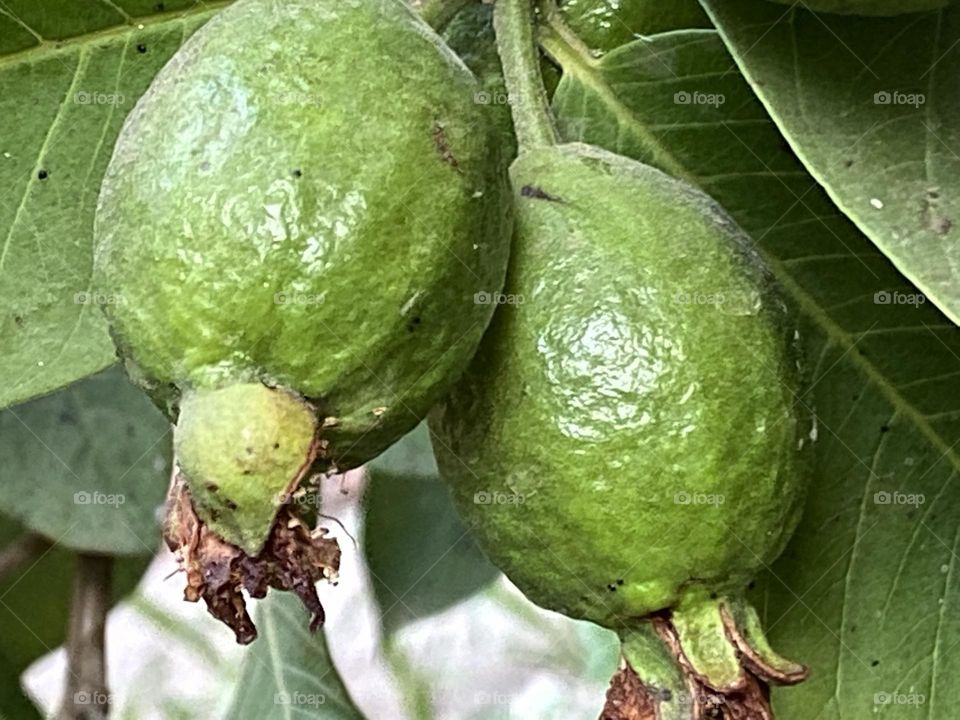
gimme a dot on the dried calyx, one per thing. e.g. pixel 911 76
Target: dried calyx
pixel 293 558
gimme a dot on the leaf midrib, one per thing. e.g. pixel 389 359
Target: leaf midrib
pixel 588 74
pixel 50 48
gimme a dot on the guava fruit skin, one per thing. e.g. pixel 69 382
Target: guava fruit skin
pixel 571 438
pixel 286 206
pixel 244 446
pixel 867 8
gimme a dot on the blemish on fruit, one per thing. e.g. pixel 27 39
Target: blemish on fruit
pixel 532 191
pixel 443 147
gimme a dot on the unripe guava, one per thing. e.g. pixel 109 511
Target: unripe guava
pixel 629 440
pixel 308 198
pixel 867 7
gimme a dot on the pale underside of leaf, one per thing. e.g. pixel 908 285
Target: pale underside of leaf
pixel 871 108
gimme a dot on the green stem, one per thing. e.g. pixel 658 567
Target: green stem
pixel 438 13
pixel 516 41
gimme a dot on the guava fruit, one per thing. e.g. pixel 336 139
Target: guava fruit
pixel 868 7
pixel 628 443
pixel 296 222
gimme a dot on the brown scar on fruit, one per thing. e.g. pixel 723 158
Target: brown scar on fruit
pixel 293 558
pixel 532 191
pixel 443 146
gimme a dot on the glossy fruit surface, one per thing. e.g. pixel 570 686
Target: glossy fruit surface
pixel 285 206
pixel 628 438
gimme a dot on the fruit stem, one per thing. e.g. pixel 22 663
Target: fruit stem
pixel 515 26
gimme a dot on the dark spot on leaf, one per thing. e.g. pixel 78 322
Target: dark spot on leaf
pixel 141 48
pixel 412 325
pixel 884 428
pixel 131 430
pixel 247 471
pixel 212 487
pixel 611 587
pixel 231 505
pixel 249 451
pixel 297 173
pixel 848 163
pixel 532 191
pixel 620 581
pixel 18 320
pixel 159 7
pixel 43 174
pixel 752 585
pixel 713 596
pixel 276 446
pixel 67 418
pixel 874 663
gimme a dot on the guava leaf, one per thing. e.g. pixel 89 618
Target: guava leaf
pixel 88 466
pixel 69 74
pixel 865 592
pixel 421 557
pixel 871 108
pixel 607 24
pixel 34 608
pixel 287 673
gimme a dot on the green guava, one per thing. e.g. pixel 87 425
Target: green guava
pixel 284 207
pixel 629 442
pixel 867 8
pixel 297 222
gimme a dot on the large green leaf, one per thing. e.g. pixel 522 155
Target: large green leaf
pixel 69 74
pixel 872 107
pixel 866 590
pixel 34 607
pixel 87 466
pixel 288 672
pixel 422 558
pixel 607 24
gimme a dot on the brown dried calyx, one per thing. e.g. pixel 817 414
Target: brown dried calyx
pixel 630 698
pixel 293 558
